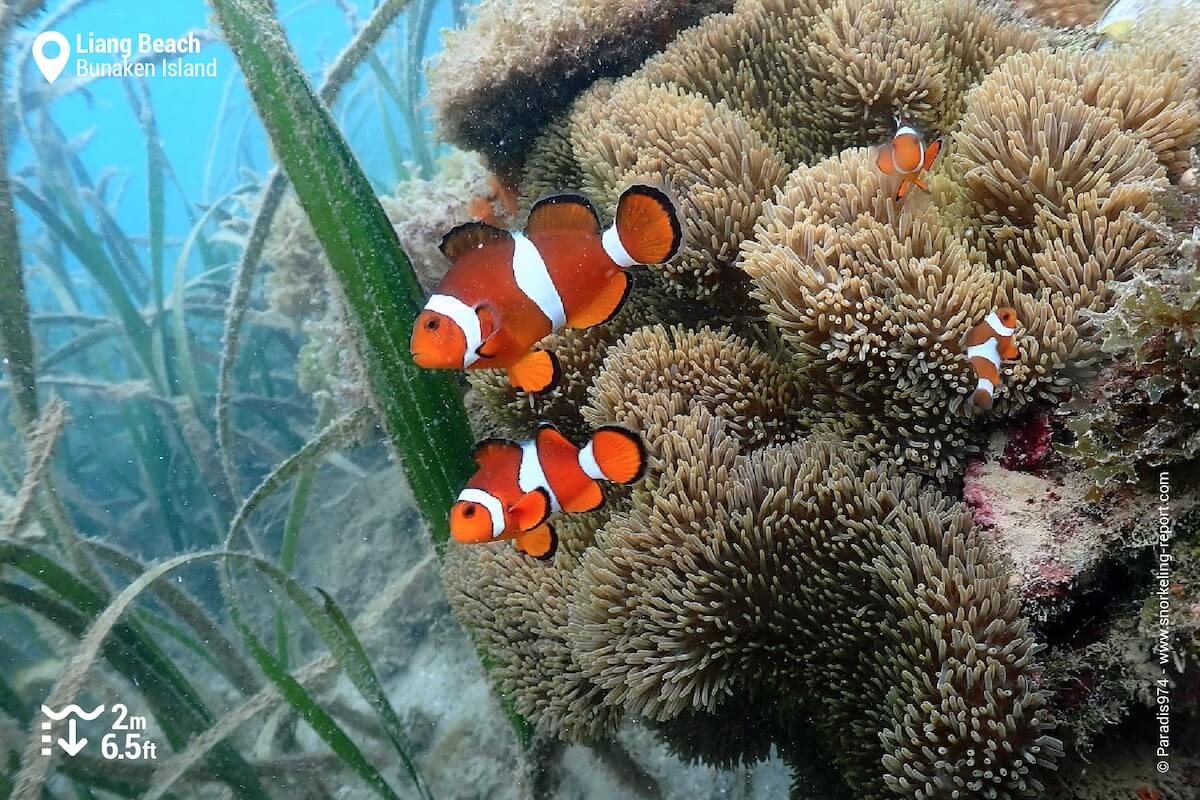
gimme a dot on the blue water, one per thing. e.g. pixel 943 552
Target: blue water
pixel 187 109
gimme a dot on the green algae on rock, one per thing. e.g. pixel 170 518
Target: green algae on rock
pixel 1140 414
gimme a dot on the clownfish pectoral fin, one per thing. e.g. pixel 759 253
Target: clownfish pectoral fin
pixel 931 154
pixel 883 160
pixel 491 343
pixel 920 182
pixel 489 450
pixel 606 304
pixel 563 213
pixel 904 187
pixel 647 225
pixel 619 453
pixel 531 510
pixel 470 236
pixel 541 542
pixel 1009 351
pixel 537 372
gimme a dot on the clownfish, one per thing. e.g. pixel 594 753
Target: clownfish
pixel 507 290
pixel 988 343
pixel 481 207
pixel 907 156
pixel 520 484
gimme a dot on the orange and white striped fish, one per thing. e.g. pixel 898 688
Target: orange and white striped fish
pixel 508 290
pixel 520 484
pixel 988 343
pixel 907 156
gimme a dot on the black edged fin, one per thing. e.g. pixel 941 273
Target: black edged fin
pixel 549 554
pixel 621 303
pixel 556 365
pixel 538 372
pixel 643 453
pixel 471 236
pixel 519 509
pixel 489 328
pixel 489 347
pixel 589 499
pixel 548 430
pixel 648 223
pixel 487 447
pixel 562 213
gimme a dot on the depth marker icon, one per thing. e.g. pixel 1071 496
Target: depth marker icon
pixel 72 745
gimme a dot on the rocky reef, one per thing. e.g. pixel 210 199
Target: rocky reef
pixel 826 551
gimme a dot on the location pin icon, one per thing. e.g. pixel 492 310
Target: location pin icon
pixel 51 66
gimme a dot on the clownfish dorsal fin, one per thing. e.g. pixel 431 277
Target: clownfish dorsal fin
pixel 531 510
pixel 563 213
pixel 547 434
pixel 470 236
pixel 489 450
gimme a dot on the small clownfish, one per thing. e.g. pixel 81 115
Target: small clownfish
pixel 520 484
pixel 907 156
pixel 987 344
pixel 481 207
pixel 507 290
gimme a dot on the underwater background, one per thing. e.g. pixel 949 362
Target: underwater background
pixel 225 558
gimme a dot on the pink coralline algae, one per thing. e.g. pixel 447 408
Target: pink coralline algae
pixel 975 495
pixel 1028 444
pixel 1043 518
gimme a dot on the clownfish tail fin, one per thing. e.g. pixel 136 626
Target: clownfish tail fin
pixel 982 398
pixel 647 228
pixel 614 454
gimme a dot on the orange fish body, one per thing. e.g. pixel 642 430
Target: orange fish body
pixel 507 290
pixel 988 344
pixel 520 484
pixel 908 157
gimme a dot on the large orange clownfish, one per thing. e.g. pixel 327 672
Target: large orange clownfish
pixel 988 343
pixel 508 290
pixel 908 157
pixel 520 484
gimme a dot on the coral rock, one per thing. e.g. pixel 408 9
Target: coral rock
pixel 1055 532
pixel 519 62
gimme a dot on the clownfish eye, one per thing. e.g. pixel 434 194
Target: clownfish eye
pixel 469 511
pixel 431 324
